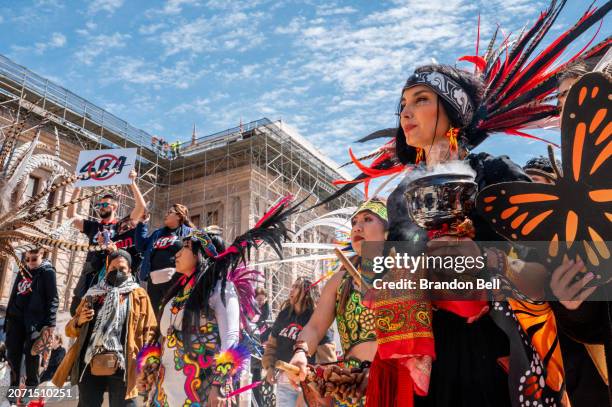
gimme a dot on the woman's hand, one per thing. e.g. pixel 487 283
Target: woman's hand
pixel 133 175
pixel 214 398
pixel 362 388
pixel 111 247
pixel 146 379
pixel 85 316
pixel 142 383
pixel 569 292
pixel 300 361
pixel 271 376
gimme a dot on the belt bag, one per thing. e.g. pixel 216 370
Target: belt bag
pixel 104 364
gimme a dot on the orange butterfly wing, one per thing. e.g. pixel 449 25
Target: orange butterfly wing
pixel 574 216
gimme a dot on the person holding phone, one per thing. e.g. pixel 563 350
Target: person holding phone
pixel 112 324
pixel 101 233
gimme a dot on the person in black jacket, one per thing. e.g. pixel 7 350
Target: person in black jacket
pixel 32 307
pixel 102 232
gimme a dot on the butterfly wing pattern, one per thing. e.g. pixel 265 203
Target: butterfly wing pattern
pixel 573 216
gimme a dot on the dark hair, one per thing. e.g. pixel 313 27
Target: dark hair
pixel 470 84
pixel 3 351
pixel 38 249
pixel 207 274
pixel 308 296
pixel 108 196
pixel 539 163
pixel 183 213
pixel 260 291
pixel 120 253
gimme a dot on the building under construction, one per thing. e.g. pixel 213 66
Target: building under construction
pixel 227 178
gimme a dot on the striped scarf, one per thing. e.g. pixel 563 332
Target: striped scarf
pixel 106 335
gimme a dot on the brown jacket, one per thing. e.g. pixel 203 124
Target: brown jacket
pixel 142 328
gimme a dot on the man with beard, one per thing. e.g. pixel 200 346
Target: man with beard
pixel 101 233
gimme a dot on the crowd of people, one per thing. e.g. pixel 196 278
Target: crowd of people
pixel 175 315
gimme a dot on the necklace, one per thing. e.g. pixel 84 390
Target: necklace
pixel 179 300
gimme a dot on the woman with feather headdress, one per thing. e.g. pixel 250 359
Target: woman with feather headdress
pixel 199 356
pixel 444 113
pixel 343 302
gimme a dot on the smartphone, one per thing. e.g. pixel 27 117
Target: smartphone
pixel 89 301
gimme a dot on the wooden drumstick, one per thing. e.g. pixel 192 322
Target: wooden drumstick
pixel 287 367
pixel 349 267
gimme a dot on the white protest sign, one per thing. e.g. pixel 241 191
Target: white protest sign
pixel 105 167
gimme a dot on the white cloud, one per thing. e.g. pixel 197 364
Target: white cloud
pixel 49 3
pixel 293 27
pixel 176 6
pixel 235 4
pixel 110 6
pixel 56 40
pixel 87 30
pixel 171 8
pixel 332 10
pixel 200 106
pixel 98 44
pixel 236 31
pixel 151 28
pixel 140 71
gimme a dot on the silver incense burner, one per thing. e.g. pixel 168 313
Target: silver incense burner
pixel 436 199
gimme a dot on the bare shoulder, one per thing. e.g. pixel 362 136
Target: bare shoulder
pixel 335 280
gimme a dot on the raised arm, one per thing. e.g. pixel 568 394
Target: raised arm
pixel 140 206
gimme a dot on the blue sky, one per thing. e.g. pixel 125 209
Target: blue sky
pixel 333 70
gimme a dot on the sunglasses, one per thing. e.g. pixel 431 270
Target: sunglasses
pixel 29 259
pixel 100 205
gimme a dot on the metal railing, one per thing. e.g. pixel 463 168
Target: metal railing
pixel 34 84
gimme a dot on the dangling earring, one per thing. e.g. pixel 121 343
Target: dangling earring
pixel 452 135
pixel 419 156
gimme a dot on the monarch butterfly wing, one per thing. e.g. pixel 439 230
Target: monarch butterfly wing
pixel 527 212
pixel 586 149
pixel 521 210
pixel 524 211
pixel 586 145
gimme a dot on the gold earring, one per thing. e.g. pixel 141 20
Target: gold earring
pixel 419 156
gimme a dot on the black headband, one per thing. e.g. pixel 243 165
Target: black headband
pixel 448 89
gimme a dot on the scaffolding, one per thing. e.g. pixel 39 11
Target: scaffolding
pixel 84 125
pixel 277 162
pixel 79 121
pixel 228 178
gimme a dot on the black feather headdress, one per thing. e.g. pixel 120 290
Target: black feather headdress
pixel 518 83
